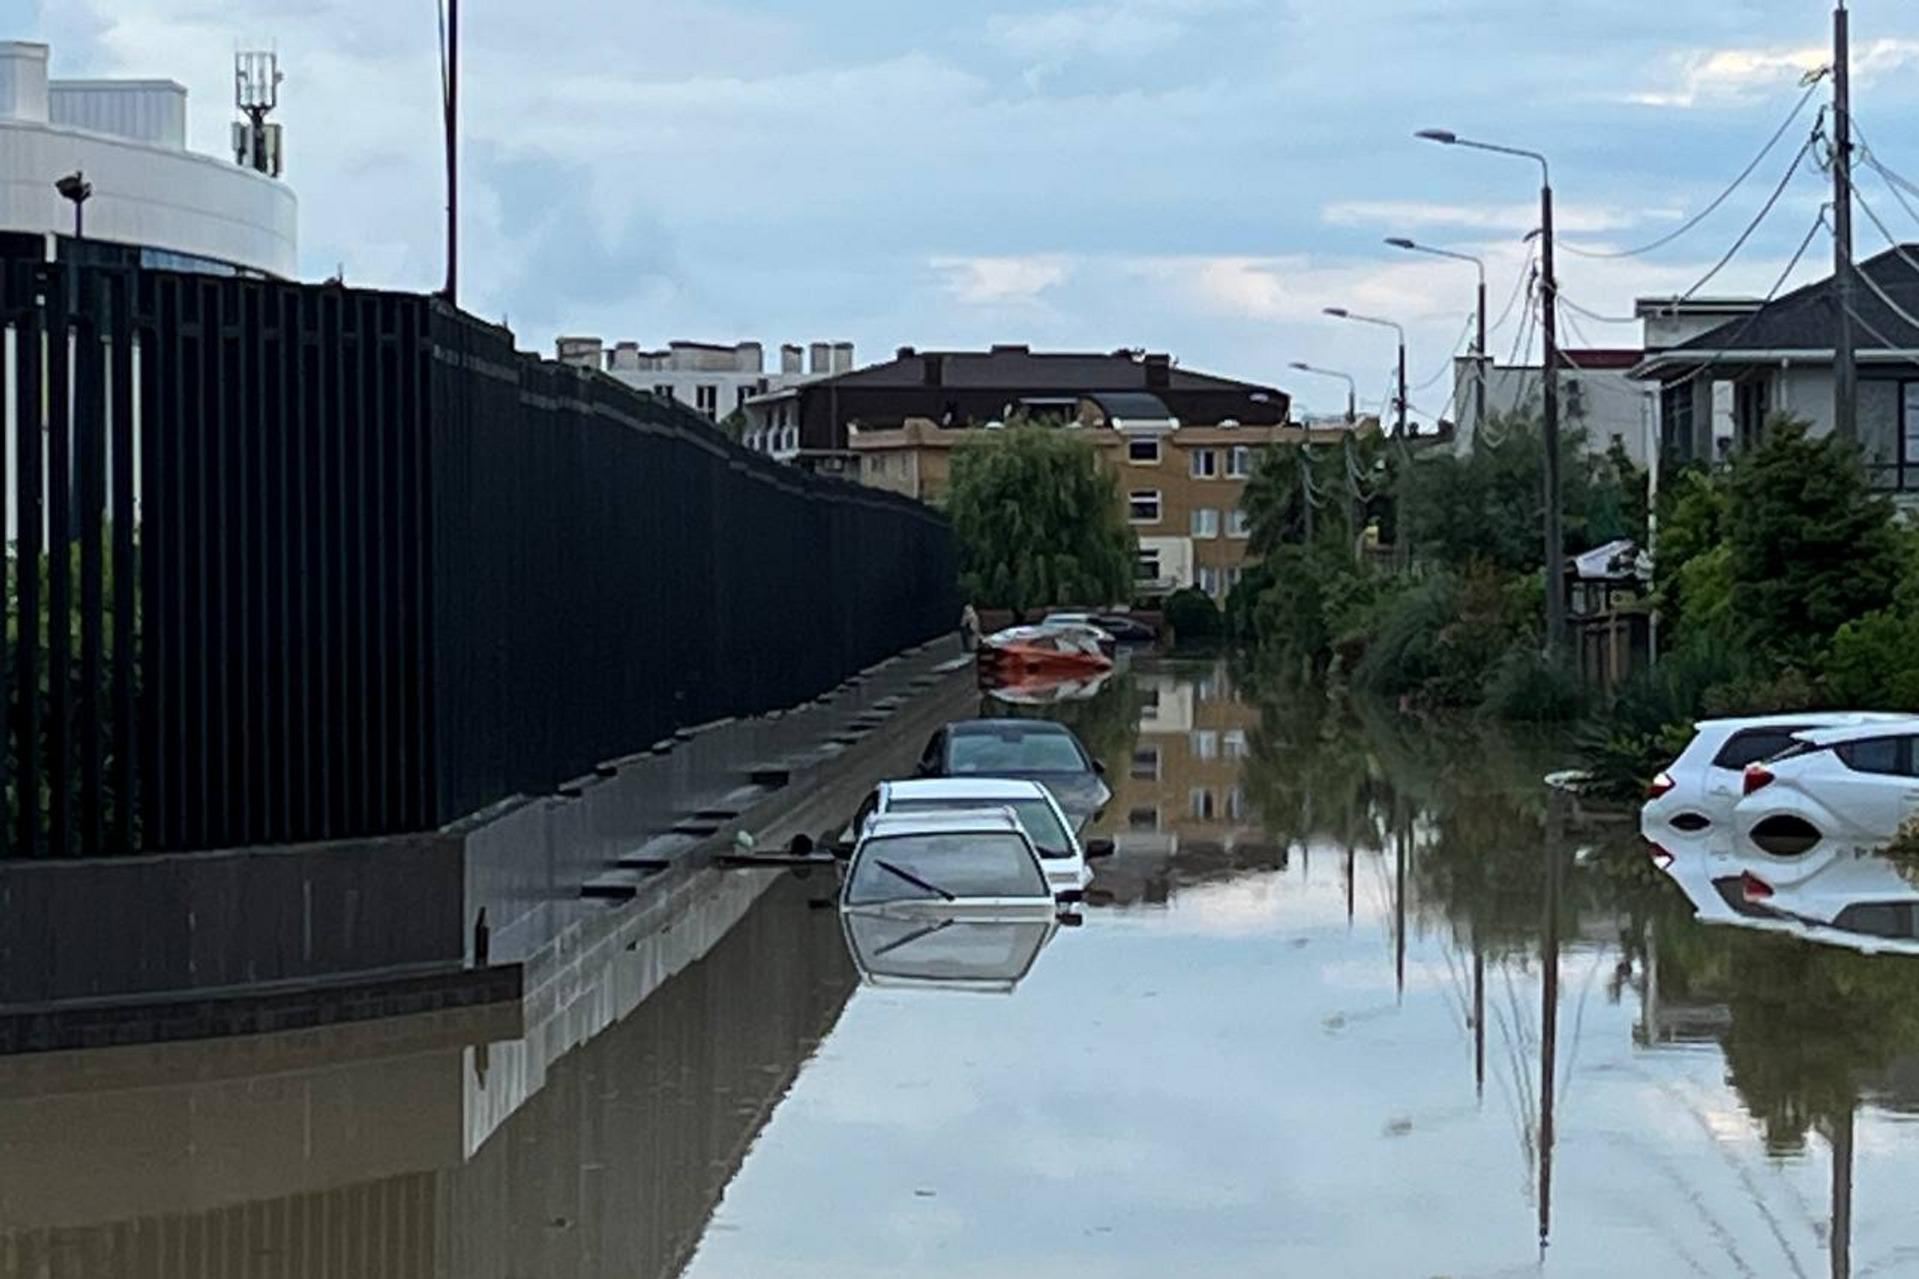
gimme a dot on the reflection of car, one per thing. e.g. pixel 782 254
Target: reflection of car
pixel 1689 806
pixel 1838 792
pixel 1036 749
pixel 1863 903
pixel 1038 812
pixel 1046 690
pixel 970 863
pixel 891 949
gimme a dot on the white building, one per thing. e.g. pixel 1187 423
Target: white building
pixel 1596 394
pixel 713 380
pixel 128 140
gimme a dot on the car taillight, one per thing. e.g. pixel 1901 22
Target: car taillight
pixel 1757 775
pixel 1755 888
pixel 1660 785
pixel 1660 857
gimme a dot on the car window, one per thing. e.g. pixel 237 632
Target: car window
pixel 934 868
pixel 1015 751
pixel 1874 755
pixel 1878 919
pixel 1036 815
pixel 1754 744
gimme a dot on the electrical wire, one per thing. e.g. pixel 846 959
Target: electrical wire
pixel 1765 211
pixel 1702 369
pixel 1891 239
pixel 1812 87
pixel 1519 284
pixel 1595 316
pixel 1452 355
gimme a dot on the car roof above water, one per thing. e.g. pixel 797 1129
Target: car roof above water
pixel 1008 727
pixel 1889 726
pixel 958 821
pixel 967 788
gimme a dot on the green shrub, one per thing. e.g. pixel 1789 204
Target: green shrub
pixel 1437 639
pixel 1194 617
pixel 1531 687
pixel 1873 662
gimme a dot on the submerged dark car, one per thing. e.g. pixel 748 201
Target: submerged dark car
pixel 1038 749
pixel 1126 630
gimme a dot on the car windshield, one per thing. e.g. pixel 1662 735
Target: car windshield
pixel 1036 815
pixel 944 867
pixel 1014 751
pixel 947 949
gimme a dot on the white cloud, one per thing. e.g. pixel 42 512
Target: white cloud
pixel 996 281
pixel 1730 75
pixel 1120 29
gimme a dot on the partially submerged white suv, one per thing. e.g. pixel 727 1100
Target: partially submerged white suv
pixel 1838 794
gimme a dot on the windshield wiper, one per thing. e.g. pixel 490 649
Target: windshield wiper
pixel 910 938
pixel 915 880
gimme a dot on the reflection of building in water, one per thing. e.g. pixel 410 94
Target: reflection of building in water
pixel 1179 812
pixel 343 1152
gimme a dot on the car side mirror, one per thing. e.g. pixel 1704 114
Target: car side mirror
pixel 842 850
pixel 1099 766
pixel 1098 848
pixel 1069 896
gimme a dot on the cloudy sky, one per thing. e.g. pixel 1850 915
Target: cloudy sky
pixel 1199 176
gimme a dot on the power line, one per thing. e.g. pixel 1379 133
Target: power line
pixel 1812 87
pixel 1891 239
pixel 1595 316
pixel 1764 212
pixel 1753 318
pixel 1519 283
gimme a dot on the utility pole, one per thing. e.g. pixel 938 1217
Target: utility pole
pixel 1845 369
pixel 1479 350
pixel 1549 327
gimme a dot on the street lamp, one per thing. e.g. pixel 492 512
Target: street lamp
pixel 1479 347
pixel 1341 313
pixel 1352 388
pixel 76 188
pixel 1549 330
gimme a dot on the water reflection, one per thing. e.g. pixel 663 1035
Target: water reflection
pixel 1356 996
pixel 945 953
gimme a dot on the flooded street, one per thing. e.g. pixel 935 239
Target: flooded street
pixel 1353 998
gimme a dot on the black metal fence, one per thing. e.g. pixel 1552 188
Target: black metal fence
pixel 298 562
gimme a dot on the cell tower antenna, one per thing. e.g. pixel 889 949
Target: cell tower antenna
pixel 256 94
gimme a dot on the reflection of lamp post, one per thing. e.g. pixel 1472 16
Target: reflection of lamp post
pixel 76 188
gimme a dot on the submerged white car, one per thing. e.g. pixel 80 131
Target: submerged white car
pixel 1862 902
pixel 930 952
pixel 1692 800
pixel 969 864
pixel 1039 814
pixel 1838 793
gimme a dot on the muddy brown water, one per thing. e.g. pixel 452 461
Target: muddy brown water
pixel 1354 998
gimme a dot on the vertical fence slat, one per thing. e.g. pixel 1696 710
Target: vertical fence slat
pixel 30 416
pixel 59 553
pixel 89 441
pixel 125 573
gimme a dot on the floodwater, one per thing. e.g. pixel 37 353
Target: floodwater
pixel 1354 998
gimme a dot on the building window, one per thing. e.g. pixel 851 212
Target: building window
pixel 1143 506
pixel 1205 744
pixel 1209 579
pixel 1676 439
pixel 664 390
pixel 1239 462
pixel 1201 804
pixel 1205 522
pixel 739 396
pixel 1749 410
pixel 1237 524
pixel 1143 451
pixel 1146 764
pixel 1205 464
pixel 1233 574
pixel 706 398
pixel 1142 819
pixel 1235 805
pixel 1146 567
pixel 1235 743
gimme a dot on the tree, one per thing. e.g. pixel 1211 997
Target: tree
pixel 1811 546
pixel 1039 521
